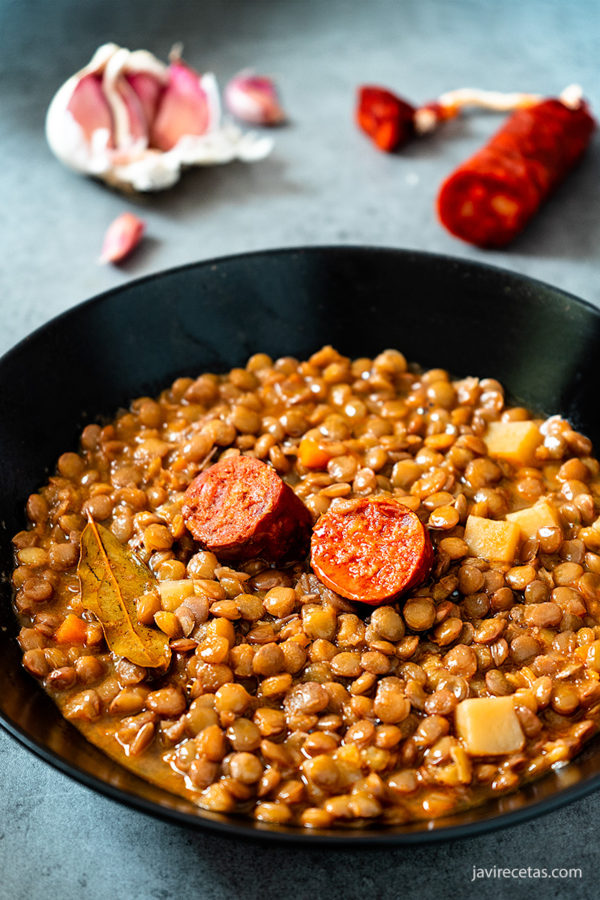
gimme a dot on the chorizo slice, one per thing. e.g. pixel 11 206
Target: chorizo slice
pixel 492 196
pixel 371 550
pixel 240 508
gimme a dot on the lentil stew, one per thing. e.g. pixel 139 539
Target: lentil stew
pixel 283 700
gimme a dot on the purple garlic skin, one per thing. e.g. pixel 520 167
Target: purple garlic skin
pixel 254 99
pixel 135 122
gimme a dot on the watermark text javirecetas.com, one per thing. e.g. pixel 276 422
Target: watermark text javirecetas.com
pixel 523 872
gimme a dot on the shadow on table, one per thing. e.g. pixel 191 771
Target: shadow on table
pixel 567 226
pixel 202 189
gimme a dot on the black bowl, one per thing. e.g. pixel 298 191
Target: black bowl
pixel 470 319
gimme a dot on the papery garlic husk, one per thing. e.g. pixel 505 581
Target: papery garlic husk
pixel 253 98
pixel 135 122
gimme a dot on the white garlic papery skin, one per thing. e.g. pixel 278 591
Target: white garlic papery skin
pixel 134 122
pixel 253 98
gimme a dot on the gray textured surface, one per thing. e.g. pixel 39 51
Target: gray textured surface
pixel 323 184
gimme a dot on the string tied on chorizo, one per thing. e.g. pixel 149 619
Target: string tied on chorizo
pixel 391 121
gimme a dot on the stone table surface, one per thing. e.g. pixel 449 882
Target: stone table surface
pixel 323 184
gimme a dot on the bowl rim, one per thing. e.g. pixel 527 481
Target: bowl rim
pixel 301 249
pixel 234 826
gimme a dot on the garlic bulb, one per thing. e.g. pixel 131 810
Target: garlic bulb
pixel 135 122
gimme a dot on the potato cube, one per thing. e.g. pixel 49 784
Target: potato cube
pixel 531 519
pixel 173 593
pixel 513 441
pixel 489 726
pixel 491 539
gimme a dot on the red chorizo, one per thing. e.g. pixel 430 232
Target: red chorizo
pixel 371 550
pixel 240 508
pixel 386 118
pixel 490 198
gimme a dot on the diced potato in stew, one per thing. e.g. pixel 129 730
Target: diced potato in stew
pixel 490 539
pixel 173 593
pixel 489 726
pixel 532 518
pixel 513 441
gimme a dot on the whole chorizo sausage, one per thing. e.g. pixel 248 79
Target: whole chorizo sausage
pixel 240 508
pixel 371 550
pixel 490 198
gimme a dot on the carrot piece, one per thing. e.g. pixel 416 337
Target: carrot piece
pixel 311 455
pixel 72 631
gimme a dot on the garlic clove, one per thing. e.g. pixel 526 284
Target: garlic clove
pixel 129 121
pixel 148 89
pixel 89 107
pixel 79 127
pixel 253 98
pixel 184 108
pixel 131 125
pixel 147 76
pixel 122 236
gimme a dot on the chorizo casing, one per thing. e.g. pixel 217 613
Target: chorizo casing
pixel 240 508
pixel 371 550
pixel 490 198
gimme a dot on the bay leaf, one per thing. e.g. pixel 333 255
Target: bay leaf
pixel 112 577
